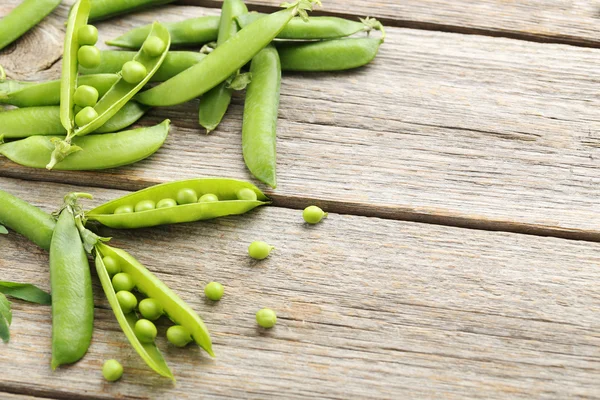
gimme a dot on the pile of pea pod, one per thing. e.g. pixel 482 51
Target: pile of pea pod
pixel 72 123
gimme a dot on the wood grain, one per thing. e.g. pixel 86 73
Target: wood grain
pixel 368 308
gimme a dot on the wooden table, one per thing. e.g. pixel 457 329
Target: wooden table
pixel 460 257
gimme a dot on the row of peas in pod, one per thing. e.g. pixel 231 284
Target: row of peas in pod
pixel 239 50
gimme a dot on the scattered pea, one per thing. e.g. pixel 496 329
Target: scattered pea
pixel 123 281
pixel 154 46
pixel 208 198
pixel 124 209
pixel 85 116
pixel 266 318
pixel 112 370
pixel 133 72
pixel 86 96
pixel 150 309
pixel 246 194
pixel 165 203
pixel 214 291
pixel 313 214
pixel 145 205
pixel 259 250
pixel 187 196
pixel 112 266
pixel 89 56
pixel 87 35
pixel 179 335
pixel 145 331
pixel 127 301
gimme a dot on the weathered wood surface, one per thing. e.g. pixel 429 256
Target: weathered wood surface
pixel 454 129
pixel 368 308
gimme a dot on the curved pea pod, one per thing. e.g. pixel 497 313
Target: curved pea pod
pixel 175 62
pixel 148 351
pixel 328 55
pixel 225 189
pixel 190 32
pixel 32 94
pixel 24 122
pixel 175 308
pixel 109 150
pixel 24 17
pixel 103 9
pixel 26 219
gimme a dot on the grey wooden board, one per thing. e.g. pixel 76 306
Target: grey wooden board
pixel 368 308
pixel 445 128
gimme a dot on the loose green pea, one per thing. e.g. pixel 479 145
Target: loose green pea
pixel 127 301
pixel 179 335
pixel 187 196
pixel 112 266
pixel 89 56
pixel 112 370
pixel 85 116
pixel 145 331
pixel 208 198
pixel 246 194
pixel 145 205
pixel 150 309
pixel 124 209
pixel 214 291
pixel 154 46
pixel 123 281
pixel 165 203
pixel 259 250
pixel 87 35
pixel 266 318
pixel 313 214
pixel 86 96
pixel 133 72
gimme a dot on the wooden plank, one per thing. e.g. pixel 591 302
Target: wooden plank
pixel 368 308
pixel 453 129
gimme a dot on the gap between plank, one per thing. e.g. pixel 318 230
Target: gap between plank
pixel 43 393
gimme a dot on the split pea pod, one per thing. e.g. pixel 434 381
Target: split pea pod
pixel 259 129
pixel 24 122
pixel 190 32
pixel 26 219
pixel 316 28
pixel 181 201
pixel 175 62
pixel 24 17
pixel 224 60
pixel 109 150
pixel 103 9
pixel 72 300
pixel 32 94
pixel 215 102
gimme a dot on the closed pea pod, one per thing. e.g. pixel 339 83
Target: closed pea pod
pixel 24 17
pixel 259 129
pixel 103 9
pixel 226 191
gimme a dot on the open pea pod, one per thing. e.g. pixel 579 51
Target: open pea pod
pixel 148 351
pixel 176 309
pixel 226 190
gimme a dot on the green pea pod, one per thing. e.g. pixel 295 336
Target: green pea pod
pixel 175 308
pixel 110 150
pixel 259 128
pixel 26 219
pixel 68 81
pixel 175 62
pixel 190 32
pixel 103 9
pixel 72 299
pixel 24 122
pixel 148 351
pixel 225 189
pixel 24 17
pixel 316 28
pixel 225 60
pixel 215 102
pixel 328 55
pixel 31 94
